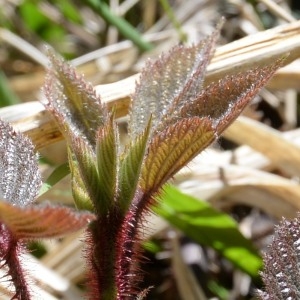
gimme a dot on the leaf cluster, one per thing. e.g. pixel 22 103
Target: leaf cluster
pixel 173 118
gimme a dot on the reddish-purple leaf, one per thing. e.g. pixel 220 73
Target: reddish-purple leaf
pixel 34 222
pixel 223 101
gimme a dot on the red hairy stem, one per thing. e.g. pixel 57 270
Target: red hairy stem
pixel 101 256
pixel 11 250
pixel 113 254
pixel 130 254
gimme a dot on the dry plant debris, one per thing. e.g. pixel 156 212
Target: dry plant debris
pixel 256 180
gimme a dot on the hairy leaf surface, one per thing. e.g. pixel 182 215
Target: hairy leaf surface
pixel 73 101
pixel 171 149
pixel 42 221
pixel 185 120
pixel 79 192
pixel 85 167
pixel 224 100
pixel 170 81
pixel 107 163
pixel 281 263
pixel 130 168
pixel 20 177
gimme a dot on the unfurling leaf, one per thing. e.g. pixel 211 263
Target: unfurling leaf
pixel 71 99
pixel 130 168
pixel 216 107
pixel 107 164
pixel 20 179
pixel 80 195
pixel 35 222
pixel 83 159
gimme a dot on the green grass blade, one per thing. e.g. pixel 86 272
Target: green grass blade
pixel 126 29
pixel 58 174
pixel 170 13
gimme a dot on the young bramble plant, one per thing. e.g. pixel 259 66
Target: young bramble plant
pixel 173 118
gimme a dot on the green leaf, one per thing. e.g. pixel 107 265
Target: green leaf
pixel 124 27
pixel 58 174
pixel 69 11
pixel 81 198
pixel 33 18
pixel 173 148
pixel 207 226
pixel 107 164
pixel 130 168
pixel 85 168
pixel 7 96
pixel 80 195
